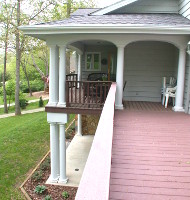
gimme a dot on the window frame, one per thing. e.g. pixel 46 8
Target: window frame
pixel 93 53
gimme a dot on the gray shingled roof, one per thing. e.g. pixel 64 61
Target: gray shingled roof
pixel 128 19
pixel 84 11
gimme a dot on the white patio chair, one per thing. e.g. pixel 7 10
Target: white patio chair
pixel 170 92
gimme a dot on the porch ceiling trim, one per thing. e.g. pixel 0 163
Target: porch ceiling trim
pixel 104 29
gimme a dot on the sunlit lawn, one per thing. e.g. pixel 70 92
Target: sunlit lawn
pixel 30 106
pixel 24 140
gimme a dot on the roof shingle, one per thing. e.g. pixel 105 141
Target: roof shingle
pixel 125 19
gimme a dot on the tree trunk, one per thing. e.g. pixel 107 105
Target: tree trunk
pixel 4 75
pixel 26 75
pixel 17 104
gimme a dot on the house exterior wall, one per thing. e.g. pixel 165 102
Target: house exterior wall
pixel 184 8
pixel 151 6
pixel 186 79
pixel 105 51
pixel 145 65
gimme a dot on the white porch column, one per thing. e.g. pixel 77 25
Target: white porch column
pixel 54 149
pixel 62 76
pixel 63 178
pixel 79 131
pixel 180 81
pixel 119 77
pixel 79 79
pixel 54 75
pixel 79 67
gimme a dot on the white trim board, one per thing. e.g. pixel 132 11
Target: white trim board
pixel 113 7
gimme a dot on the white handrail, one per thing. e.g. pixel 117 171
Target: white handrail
pixel 95 180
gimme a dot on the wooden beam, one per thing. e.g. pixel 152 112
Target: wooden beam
pixel 73 110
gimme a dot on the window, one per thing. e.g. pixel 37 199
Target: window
pixel 93 61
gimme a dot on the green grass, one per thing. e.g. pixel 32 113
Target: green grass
pixel 26 95
pixel 30 106
pixel 24 140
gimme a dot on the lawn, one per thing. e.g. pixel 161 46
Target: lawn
pixel 24 140
pixel 30 106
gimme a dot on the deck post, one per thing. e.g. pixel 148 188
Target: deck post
pixel 54 148
pixel 62 76
pixel 54 75
pixel 63 178
pixel 180 81
pixel 119 77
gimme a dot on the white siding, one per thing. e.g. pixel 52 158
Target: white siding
pixel 145 65
pixel 184 8
pixel 104 50
pixel 186 80
pixel 151 6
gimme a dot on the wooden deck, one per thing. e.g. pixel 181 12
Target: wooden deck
pixel 151 154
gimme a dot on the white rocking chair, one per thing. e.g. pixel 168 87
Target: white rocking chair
pixel 169 92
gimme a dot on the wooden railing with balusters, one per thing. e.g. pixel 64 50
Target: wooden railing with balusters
pixel 72 77
pixel 86 94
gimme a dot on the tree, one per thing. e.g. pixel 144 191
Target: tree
pixel 17 89
pixel 6 16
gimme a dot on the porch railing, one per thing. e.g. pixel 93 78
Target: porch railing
pixel 88 94
pixel 72 77
pixel 95 181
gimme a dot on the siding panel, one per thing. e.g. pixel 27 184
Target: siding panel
pixel 151 6
pixel 145 65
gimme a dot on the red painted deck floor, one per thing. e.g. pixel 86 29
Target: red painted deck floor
pixel 151 155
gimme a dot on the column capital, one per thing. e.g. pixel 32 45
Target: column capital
pixel 120 45
pixel 62 45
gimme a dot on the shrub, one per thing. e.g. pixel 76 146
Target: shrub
pixel 37 85
pixel 48 197
pixel 40 189
pixel 65 194
pixel 41 102
pixel 37 175
pixel 23 103
pixel 45 165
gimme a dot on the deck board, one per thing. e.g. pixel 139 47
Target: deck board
pixel 151 154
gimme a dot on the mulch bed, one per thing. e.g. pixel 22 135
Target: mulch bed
pixel 40 176
pixel 54 191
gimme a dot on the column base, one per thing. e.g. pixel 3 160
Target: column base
pixel 63 181
pixel 51 104
pixel 178 109
pixel 52 181
pixel 119 107
pixel 61 104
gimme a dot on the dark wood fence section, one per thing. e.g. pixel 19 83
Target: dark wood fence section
pixel 86 94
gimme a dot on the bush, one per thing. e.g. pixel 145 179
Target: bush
pixel 48 197
pixel 41 102
pixel 40 189
pixel 37 175
pixel 37 85
pixel 23 103
pixel 65 194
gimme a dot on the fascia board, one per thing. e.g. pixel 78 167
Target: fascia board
pixel 104 28
pixel 113 7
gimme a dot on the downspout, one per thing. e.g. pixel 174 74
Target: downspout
pixel 188 85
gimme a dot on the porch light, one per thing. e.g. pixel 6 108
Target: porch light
pixel 188 48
